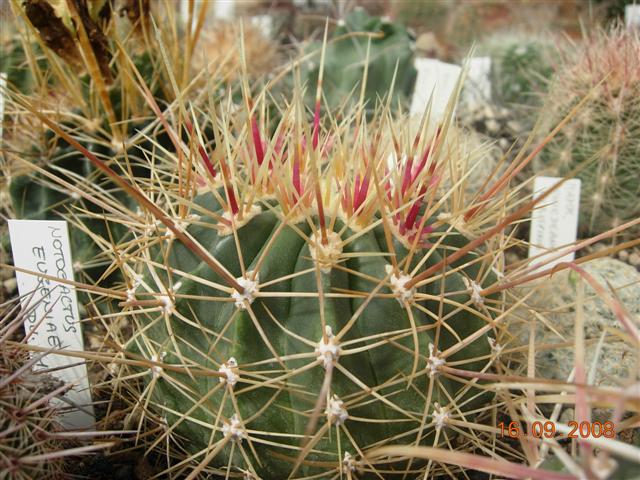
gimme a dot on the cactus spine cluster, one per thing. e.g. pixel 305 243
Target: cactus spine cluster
pixel 29 443
pixel 604 137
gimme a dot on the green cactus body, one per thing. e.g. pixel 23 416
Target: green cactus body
pixel 15 65
pixel 280 409
pixel 345 61
pixel 240 370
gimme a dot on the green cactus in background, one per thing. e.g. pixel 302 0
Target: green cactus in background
pixel 604 136
pixel 346 59
pixel 89 115
pixel 521 66
pixel 14 64
pixel 37 197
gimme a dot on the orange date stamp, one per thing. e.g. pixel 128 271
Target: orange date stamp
pixel 547 429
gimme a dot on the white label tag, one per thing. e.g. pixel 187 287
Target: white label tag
pixel 3 86
pixel 632 16
pixel 437 78
pixel 53 321
pixel 477 85
pixel 554 222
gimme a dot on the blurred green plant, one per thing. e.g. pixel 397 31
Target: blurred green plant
pixel 521 66
pixel 346 60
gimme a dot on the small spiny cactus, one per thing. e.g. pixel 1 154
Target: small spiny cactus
pixel 604 137
pixel 32 444
pixel 521 66
pixel 219 46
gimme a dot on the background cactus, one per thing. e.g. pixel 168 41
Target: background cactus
pixel 104 107
pixel 14 64
pixel 521 65
pixel 604 137
pixel 346 59
pixel 220 46
pixel 35 196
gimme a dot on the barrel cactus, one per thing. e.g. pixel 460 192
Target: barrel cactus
pixel 302 290
pixel 310 297
pixel 604 137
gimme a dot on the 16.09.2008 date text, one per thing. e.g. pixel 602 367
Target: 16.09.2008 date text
pixel 548 430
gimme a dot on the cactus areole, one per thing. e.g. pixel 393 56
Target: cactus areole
pixel 329 341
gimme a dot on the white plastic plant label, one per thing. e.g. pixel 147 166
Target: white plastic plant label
pixel 632 16
pixel 477 85
pixel 52 321
pixel 437 78
pixel 554 223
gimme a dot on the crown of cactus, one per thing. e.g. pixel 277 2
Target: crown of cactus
pixel 520 66
pixel 348 55
pixel 604 137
